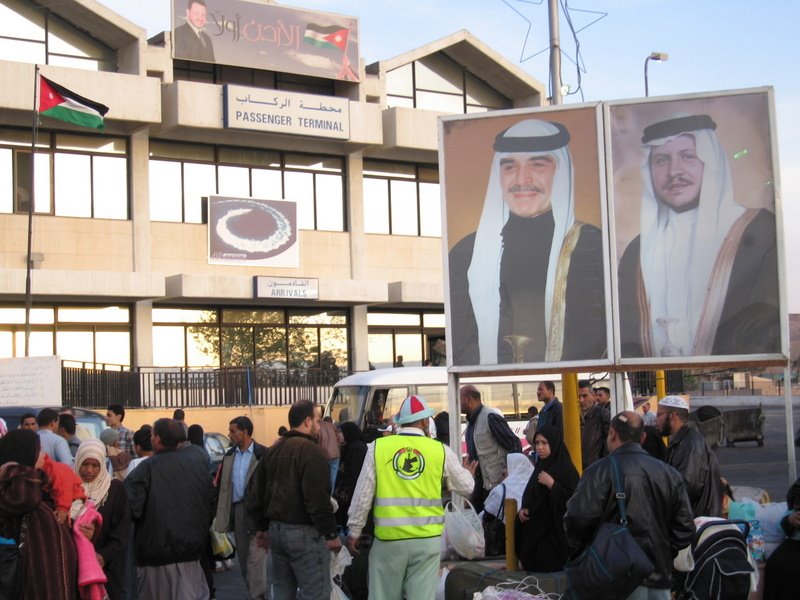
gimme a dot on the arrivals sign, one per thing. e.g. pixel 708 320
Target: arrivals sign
pixel 268 37
pixel 297 288
pixel 286 112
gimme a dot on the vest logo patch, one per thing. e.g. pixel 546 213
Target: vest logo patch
pixel 408 463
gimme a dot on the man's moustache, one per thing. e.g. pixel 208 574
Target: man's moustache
pixel 679 179
pixel 516 189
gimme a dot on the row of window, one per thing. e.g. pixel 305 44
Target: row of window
pixel 213 337
pixel 87 176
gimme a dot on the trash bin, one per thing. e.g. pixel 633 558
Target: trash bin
pixel 709 421
pixel 744 425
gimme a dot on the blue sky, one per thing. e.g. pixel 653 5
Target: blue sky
pixel 712 45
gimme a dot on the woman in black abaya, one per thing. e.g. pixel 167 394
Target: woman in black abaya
pixel 541 543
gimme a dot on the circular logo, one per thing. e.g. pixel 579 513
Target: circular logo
pixel 408 463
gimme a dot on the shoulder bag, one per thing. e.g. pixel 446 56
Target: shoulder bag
pixel 494 530
pixel 613 564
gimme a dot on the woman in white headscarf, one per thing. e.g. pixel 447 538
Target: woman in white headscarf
pixel 520 470
pixel 108 494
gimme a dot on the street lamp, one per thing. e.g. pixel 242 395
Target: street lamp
pixel 658 56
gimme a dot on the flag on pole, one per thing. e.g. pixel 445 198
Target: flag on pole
pixel 59 103
pixel 332 36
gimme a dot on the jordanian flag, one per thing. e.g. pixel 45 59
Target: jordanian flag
pixel 331 36
pixel 59 103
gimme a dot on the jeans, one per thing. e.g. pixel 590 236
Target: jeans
pixel 334 466
pixel 301 562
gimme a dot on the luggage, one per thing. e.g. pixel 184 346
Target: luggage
pixel 466 578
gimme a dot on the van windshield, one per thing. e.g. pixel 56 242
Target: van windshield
pixel 346 403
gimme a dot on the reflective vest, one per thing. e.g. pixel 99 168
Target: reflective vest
pixel 408 494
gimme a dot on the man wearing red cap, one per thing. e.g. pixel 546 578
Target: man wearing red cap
pixel 403 474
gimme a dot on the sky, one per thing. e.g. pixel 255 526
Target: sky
pixel 712 45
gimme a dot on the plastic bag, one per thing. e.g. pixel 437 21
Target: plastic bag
pixel 220 544
pixel 755 541
pixel 464 530
pixel 742 511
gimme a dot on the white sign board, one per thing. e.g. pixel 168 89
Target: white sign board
pixel 32 381
pixel 287 287
pixel 277 111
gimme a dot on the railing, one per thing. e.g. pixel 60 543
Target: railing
pixel 152 387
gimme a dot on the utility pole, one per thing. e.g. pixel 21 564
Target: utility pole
pixel 555 53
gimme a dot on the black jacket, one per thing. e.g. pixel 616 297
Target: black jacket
pixel 658 510
pixel 170 503
pixel 690 455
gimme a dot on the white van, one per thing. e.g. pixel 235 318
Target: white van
pixel 370 398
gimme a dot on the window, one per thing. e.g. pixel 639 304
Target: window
pixel 96 336
pixel 30 33
pixel 436 82
pixel 74 175
pixel 267 338
pixel 413 338
pixel 181 175
pixel 401 199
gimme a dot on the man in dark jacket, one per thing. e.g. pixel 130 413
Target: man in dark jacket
pixel 691 456
pixel 290 503
pixel 594 425
pixel 657 507
pixel 238 466
pixel 170 502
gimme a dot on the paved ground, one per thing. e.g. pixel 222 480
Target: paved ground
pixel 230 585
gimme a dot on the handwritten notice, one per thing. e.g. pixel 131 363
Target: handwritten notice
pixel 299 288
pixel 32 381
pixel 258 109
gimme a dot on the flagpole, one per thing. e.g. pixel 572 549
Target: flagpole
pixel 34 140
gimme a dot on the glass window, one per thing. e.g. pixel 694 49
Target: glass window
pixel 202 346
pixel 397 319
pixel 389 169
pixel 91 143
pixel 433 320
pixel 107 314
pixel 29 52
pixel 165 191
pixel 250 156
pixel 300 188
pixel 75 345
pixel 267 184
pixel 6 344
pixel 318 318
pixel 199 181
pixel 313 163
pixel 21 20
pixel 196 152
pixel 376 206
pixel 234 181
pixel 480 94
pixel 22 176
pixel 333 348
pixel 430 210
pixel 439 102
pixel 404 207
pixel 237 315
pixel 6 181
pixel 435 396
pixel 73 190
pixel 113 347
pixel 399 101
pixel 39 316
pixel 183 315
pixel 237 346
pixel 380 350
pixel 438 73
pixel 169 346
pixel 409 346
pixel 271 347
pixel 400 81
pixel 303 348
pixel 110 183
pixel 40 343
pixel 330 203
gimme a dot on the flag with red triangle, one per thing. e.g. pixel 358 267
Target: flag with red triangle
pixel 332 36
pixel 60 103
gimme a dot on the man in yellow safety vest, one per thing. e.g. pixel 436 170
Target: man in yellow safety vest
pixel 403 475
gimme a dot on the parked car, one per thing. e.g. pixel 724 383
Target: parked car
pixel 217 445
pixel 90 423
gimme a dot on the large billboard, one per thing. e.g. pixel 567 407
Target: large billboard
pixel 525 239
pixel 253 233
pixel 253 35
pixel 630 233
pixel 692 185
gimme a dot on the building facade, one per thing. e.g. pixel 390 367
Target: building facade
pixel 121 273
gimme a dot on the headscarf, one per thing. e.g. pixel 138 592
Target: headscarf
pixel 97 490
pixel 558 465
pixel 195 435
pixel 543 139
pixel 20 446
pixel 693 237
pixel 520 470
pixel 351 432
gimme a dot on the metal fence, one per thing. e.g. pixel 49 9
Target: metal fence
pixel 151 387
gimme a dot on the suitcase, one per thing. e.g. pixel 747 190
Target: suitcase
pixel 466 578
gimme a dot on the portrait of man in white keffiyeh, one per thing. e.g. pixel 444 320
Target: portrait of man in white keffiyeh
pixel 701 277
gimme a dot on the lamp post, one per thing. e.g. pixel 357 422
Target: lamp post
pixel 657 56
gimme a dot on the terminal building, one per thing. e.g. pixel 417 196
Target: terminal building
pixel 122 269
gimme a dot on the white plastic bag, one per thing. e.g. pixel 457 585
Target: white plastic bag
pixel 339 562
pixel 464 530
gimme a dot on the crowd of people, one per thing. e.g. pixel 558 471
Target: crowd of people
pixel 144 525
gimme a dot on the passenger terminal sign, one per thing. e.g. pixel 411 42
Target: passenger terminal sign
pixel 286 112
pixel 253 35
